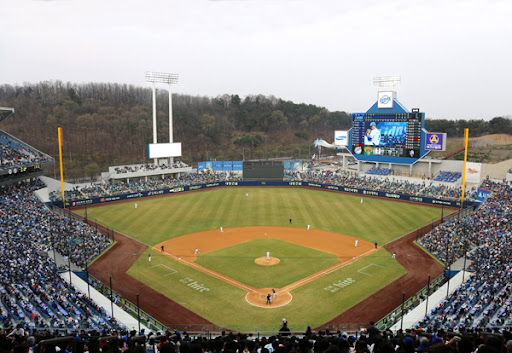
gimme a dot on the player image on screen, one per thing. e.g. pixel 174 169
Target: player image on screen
pixel 372 137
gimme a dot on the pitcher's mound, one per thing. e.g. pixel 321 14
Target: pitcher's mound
pixel 263 261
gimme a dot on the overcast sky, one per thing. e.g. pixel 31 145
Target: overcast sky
pixel 454 57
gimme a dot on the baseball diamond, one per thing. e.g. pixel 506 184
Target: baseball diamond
pixel 224 285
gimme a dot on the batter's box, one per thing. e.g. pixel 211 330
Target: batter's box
pixel 364 269
pixel 171 270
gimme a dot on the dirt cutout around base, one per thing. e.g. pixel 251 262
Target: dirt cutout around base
pixel 259 298
pixel 263 261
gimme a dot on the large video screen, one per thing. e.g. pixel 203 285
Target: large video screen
pixel 388 135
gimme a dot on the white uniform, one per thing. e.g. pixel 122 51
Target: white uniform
pixel 268 255
pixel 221 230
pixel 308 226
pixel 355 245
pixel 373 139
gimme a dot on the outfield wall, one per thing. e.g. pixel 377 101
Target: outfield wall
pixel 185 188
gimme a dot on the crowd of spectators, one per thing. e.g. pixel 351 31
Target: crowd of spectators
pixel 379 171
pixel 448 177
pixel 485 238
pixel 424 188
pixel 370 341
pixel 14 155
pixel 148 167
pixel 32 294
pixel 138 185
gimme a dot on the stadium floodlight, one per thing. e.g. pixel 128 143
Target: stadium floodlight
pixel 162 77
pixel 386 81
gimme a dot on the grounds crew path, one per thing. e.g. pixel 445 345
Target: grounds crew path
pixel 333 243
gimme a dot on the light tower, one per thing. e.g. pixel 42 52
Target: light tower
pixel 162 78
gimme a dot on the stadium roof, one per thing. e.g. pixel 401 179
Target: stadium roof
pixel 5 112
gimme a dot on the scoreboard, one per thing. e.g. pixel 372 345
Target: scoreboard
pixel 387 136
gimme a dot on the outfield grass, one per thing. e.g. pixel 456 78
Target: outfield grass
pixel 237 262
pixel 158 219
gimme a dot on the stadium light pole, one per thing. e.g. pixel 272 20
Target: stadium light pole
pixel 111 298
pixel 170 79
pixel 69 265
pixel 428 293
pixel 138 311
pixel 402 318
pixel 387 81
pixel 465 252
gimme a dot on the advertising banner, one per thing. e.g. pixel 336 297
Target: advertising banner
pixel 473 171
pixel 435 141
pixel 227 165
pixel 341 138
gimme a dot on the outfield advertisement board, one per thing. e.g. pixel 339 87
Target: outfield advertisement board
pixel 349 190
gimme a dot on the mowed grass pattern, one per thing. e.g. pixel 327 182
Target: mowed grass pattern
pixel 237 262
pixel 158 219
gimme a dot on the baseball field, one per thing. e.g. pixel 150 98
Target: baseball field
pixel 264 248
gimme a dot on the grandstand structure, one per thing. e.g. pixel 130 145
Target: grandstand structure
pixel 18 160
pixel 46 289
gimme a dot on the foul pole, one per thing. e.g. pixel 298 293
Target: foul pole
pixel 466 134
pixel 61 170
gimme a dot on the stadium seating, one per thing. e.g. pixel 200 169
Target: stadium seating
pixel 31 291
pixel 123 187
pixel 448 177
pixel 424 188
pixel 148 167
pixel 15 154
pixel 379 171
pixel 485 300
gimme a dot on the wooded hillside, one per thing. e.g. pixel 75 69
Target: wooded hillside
pixel 111 124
